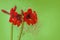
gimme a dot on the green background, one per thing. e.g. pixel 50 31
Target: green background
pixel 48 26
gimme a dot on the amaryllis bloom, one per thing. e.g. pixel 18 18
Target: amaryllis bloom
pixel 30 17
pixel 15 18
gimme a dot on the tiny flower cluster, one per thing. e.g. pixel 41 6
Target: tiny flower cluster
pixel 30 17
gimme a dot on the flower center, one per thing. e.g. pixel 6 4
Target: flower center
pixel 28 16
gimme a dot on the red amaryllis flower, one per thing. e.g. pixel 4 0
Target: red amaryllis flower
pixel 15 18
pixel 30 17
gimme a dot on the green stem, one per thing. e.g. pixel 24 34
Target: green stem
pixel 21 31
pixel 12 32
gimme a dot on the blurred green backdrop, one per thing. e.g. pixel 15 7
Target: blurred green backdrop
pixel 48 12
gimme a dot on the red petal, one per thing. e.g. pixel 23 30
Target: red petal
pixel 14 8
pixel 10 20
pixel 15 13
pixel 28 22
pixel 14 21
pixel 29 11
pixel 18 23
pixel 11 11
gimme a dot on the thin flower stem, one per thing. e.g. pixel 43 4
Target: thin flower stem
pixel 21 31
pixel 12 32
